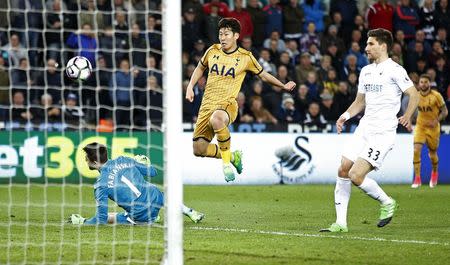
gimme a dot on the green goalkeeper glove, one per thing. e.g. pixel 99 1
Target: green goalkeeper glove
pixel 142 159
pixel 76 219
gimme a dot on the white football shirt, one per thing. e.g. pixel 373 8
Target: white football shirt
pixel 383 85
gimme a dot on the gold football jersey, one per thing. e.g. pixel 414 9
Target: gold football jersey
pixel 429 107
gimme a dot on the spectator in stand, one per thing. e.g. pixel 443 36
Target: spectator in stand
pixel 336 20
pixel 275 36
pixel 309 38
pixel 14 50
pixel 442 77
pixel 259 18
pixel 19 111
pixel 211 26
pixel 314 13
pixel 413 56
pixel 314 55
pixel 304 67
pixel 121 28
pixel 332 39
pixel 292 49
pixel 243 16
pixel 325 65
pixel 342 98
pixel 313 86
pixel 71 112
pixel 432 73
pixel 287 112
pixel 46 111
pixel 138 45
pixel 259 113
pixel 336 58
pixel 53 37
pixel 197 53
pixel 154 36
pixel 442 38
pixel 330 84
pixel 153 103
pixel 436 52
pixel 380 15
pixel 361 26
pixel 89 16
pixel 282 74
pixel 191 30
pixel 223 8
pixel 101 78
pixel 361 57
pixel 247 44
pixel 120 91
pixel 400 39
pixel 292 20
pixel 272 99
pixel 84 41
pixel 427 24
pixel 406 18
pixel 285 61
pixel 314 119
pixel 348 10
pixel 420 37
pixel 257 89
pixel 350 66
pixel 20 76
pixel 421 66
pixel 357 37
pixel 4 89
pixel 302 101
pixel 50 81
pixel 274 17
pixel 397 51
pixel 328 108
pixel 265 61
pixel 244 114
pixel 352 85
pixel 442 15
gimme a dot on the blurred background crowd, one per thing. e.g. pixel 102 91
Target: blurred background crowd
pixel 319 44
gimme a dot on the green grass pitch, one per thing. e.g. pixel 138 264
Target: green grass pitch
pixel 243 225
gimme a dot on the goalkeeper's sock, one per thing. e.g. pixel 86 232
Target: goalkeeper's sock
pixel 186 210
pixel 213 151
pixel 224 140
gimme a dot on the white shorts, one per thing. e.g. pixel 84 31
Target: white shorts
pixel 370 146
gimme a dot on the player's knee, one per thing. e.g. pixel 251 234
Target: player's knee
pixel 355 177
pixel 218 121
pixel 199 149
pixel 343 172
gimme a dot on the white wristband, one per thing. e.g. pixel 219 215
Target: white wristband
pixel 346 115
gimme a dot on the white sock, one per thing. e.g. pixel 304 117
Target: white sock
pixel 371 188
pixel 186 210
pixel 342 193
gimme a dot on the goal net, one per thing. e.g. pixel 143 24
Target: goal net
pixel 46 119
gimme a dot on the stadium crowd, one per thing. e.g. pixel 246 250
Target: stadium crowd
pixel 318 44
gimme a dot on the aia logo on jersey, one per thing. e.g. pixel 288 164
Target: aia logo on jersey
pixel 222 70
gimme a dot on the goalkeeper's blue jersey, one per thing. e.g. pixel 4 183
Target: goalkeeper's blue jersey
pixel 122 180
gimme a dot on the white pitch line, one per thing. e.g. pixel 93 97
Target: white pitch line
pixel 262 232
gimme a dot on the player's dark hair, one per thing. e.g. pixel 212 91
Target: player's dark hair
pixel 230 23
pixel 426 76
pixel 96 152
pixel 382 36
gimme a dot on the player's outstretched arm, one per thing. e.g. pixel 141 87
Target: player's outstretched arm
pixel 266 77
pixel 198 72
pixel 405 120
pixel 356 107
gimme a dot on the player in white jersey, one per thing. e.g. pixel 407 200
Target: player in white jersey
pixel 380 88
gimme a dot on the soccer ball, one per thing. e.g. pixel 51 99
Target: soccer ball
pixel 79 68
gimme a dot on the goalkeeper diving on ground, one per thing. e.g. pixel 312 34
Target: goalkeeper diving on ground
pixel 123 181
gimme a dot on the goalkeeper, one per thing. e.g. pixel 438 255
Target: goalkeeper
pixel 122 180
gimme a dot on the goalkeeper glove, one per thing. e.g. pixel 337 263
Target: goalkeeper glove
pixel 76 219
pixel 142 159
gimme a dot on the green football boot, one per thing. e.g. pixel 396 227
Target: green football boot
pixel 195 216
pixel 335 228
pixel 237 161
pixel 387 212
pixel 228 173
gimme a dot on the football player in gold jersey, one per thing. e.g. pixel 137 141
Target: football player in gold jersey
pixel 227 66
pixel 432 110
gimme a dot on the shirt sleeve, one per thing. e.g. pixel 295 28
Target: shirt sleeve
pixel 401 78
pixel 204 60
pixel 101 198
pixel 253 65
pixel 440 100
pixel 146 170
